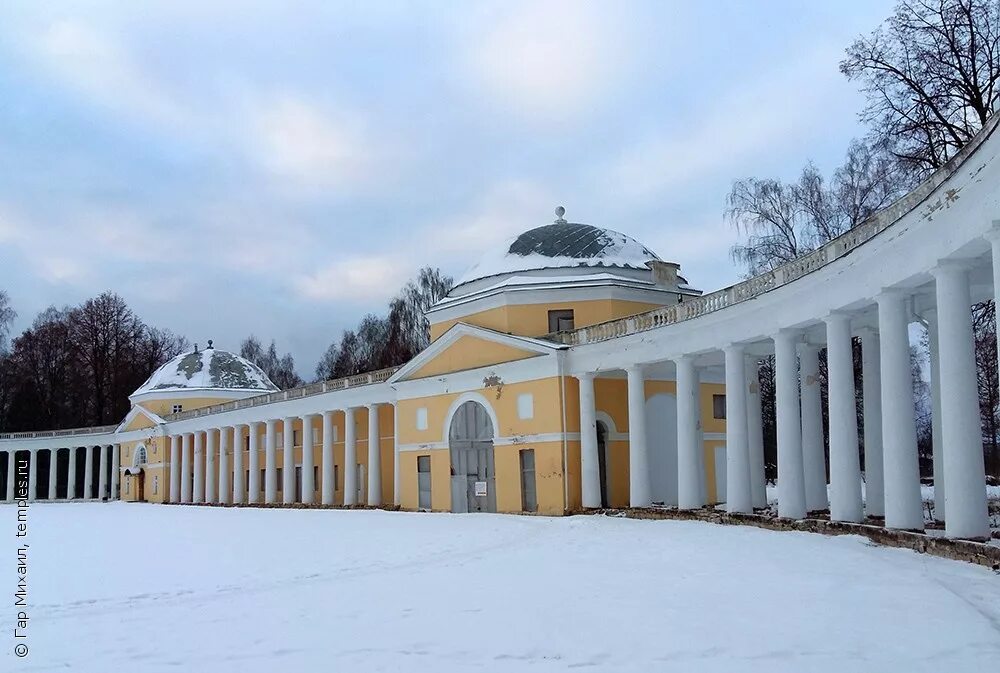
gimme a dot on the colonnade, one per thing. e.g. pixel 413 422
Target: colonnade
pixel 215 456
pixel 103 489
pixel 891 475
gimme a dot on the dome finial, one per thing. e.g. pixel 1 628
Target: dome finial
pixel 560 211
pixel 210 343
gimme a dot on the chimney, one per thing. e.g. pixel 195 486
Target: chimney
pixel 664 273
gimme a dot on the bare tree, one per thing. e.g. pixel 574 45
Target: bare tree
pixel 930 73
pixel 7 315
pixel 280 369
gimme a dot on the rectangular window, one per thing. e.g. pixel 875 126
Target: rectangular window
pixel 422 418
pixel 336 477
pixel 529 497
pixel 561 320
pixel 315 478
pixel 298 483
pixel 719 407
pixel 296 438
pixel 281 482
pixel 263 480
pixel 424 482
pixel 177 408
pixel 525 406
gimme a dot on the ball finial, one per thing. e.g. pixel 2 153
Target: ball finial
pixel 560 211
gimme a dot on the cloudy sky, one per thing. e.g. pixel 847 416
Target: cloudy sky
pixel 282 168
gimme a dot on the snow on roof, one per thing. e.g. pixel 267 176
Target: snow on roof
pixel 561 244
pixel 207 369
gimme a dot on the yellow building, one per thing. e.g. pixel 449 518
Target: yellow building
pixel 489 418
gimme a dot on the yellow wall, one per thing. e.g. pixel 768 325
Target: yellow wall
pixel 163 407
pixel 469 353
pixel 533 319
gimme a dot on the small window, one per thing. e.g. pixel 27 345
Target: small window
pixel 561 320
pixel 336 477
pixel 424 482
pixel 719 407
pixel 281 482
pixel 529 497
pixel 525 406
pixel 263 480
pixel 315 477
pixel 177 408
pixel 422 418
pixel 296 438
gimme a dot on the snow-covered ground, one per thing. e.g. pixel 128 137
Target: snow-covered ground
pixel 126 587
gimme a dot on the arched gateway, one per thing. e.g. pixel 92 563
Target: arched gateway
pixel 470 440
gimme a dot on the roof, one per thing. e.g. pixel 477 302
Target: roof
pixel 208 369
pixel 561 244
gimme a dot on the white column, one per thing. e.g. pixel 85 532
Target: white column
pixel 813 449
pixel 70 478
pixel 102 477
pixel 350 459
pixel 53 459
pixel 937 449
pixel 198 495
pixel 689 493
pixel 328 484
pixel 239 474
pixel 964 470
pixel 253 464
pixel 308 485
pixel 903 508
pixel 88 474
pixel 871 389
pixel 175 468
pixel 210 468
pixel 639 490
pixel 374 459
pixel 116 460
pixel 791 478
pixel 755 436
pixel 33 477
pixel 845 463
pixel 590 469
pixel 288 461
pixel 224 485
pixel 738 497
pixel 396 494
pixel 186 467
pixel 270 461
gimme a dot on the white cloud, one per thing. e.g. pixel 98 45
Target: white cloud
pixel 548 61
pixel 101 68
pixel 299 140
pixel 358 278
pixel 766 115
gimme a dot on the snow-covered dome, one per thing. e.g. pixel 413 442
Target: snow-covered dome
pixel 561 245
pixel 208 369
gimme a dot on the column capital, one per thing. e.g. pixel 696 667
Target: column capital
pixel 787 335
pixel 891 294
pixel 637 368
pixel 950 266
pixel 734 348
pixel 837 317
pixel 373 405
pixel 585 376
pixel 329 413
pixel 993 235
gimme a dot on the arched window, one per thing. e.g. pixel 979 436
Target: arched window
pixel 140 456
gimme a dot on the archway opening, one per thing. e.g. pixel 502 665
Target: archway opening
pixel 470 442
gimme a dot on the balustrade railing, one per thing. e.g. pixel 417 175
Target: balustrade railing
pixel 309 390
pixel 70 432
pixel 788 272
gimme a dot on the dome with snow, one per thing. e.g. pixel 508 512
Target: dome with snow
pixel 207 370
pixel 570 246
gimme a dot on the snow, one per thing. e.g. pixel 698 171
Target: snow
pixel 194 370
pixel 116 587
pixel 620 251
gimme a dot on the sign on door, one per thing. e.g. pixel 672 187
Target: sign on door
pixel 480 489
